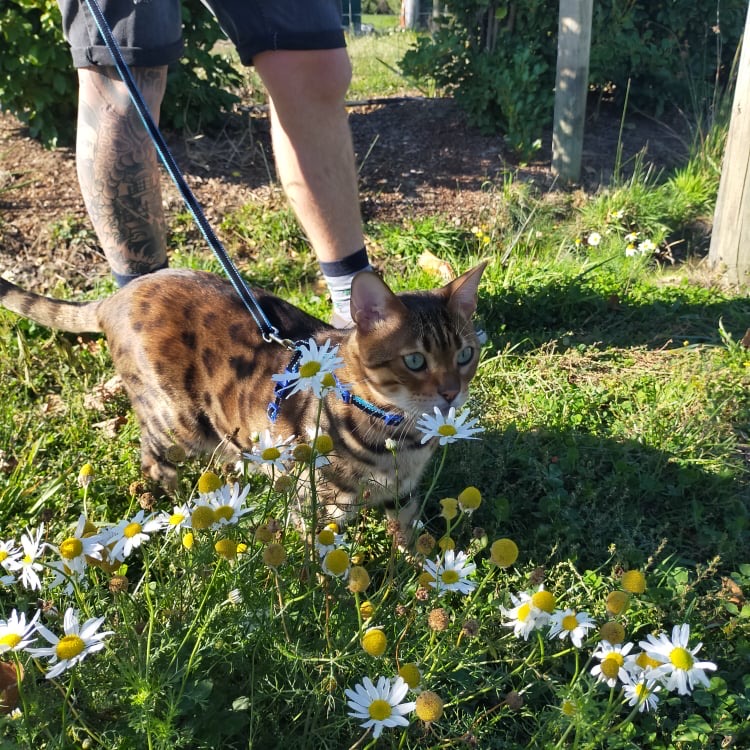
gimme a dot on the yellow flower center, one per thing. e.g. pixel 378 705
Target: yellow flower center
pixel 611 665
pixel 270 454
pixel 225 512
pixel 359 579
pixel 188 541
pixel 71 548
pixel 612 632
pixel 504 552
pixel 380 710
pixel 69 646
pixel 446 430
pixel 366 609
pixel 617 602
pixel 429 706
pixel 9 640
pixel 449 576
pixel 309 369
pixel 450 508
pixel 328 380
pixel 323 444
pixel 226 548
pixel 326 537
pixel 176 519
pixel 131 530
pixel 446 543
pixel 3 555
pixel 569 622
pixel 302 453
pixel 544 600
pixel 681 658
pixel 634 582
pixel 374 642
pixel 524 611
pixel 470 498
pixel 337 561
pixel 410 675
pixel 641 691
pixel 644 661
pixel 208 482
pixel 203 517
pixel 27 559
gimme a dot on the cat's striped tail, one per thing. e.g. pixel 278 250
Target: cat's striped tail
pixel 76 317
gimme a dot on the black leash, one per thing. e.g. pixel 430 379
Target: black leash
pixel 270 333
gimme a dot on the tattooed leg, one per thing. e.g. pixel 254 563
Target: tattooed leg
pixel 118 170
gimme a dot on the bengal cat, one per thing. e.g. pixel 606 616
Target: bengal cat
pixel 199 375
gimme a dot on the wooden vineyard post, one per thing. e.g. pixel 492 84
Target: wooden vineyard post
pixel 571 87
pixel 730 238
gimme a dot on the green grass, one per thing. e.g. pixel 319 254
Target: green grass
pixel 615 397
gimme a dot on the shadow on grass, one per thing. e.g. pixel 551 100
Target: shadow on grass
pixel 611 315
pixel 572 495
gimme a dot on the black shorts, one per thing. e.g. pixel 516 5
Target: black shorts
pixel 150 31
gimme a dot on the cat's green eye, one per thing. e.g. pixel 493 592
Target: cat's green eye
pixel 415 361
pixel 465 355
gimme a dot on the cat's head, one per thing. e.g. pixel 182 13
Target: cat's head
pixel 418 350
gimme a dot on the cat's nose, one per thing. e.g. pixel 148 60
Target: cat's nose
pixel 449 396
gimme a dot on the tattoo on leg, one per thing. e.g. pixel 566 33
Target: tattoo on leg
pixel 118 170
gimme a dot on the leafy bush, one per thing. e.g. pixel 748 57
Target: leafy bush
pixel 499 58
pixel 38 82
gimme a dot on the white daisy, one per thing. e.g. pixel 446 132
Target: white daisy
pixel 451 574
pixel 524 617
pixel 611 666
pixel 679 669
pixel 380 705
pixel 448 429
pixel 178 519
pixel 315 369
pixel 228 504
pixel 15 633
pixel 77 643
pixel 566 623
pixel 268 451
pixel 326 540
pixel 9 555
pixel 27 564
pixel 127 535
pixel 75 549
pixel 642 692
pixel 594 239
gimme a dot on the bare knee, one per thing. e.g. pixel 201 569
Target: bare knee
pixel 101 89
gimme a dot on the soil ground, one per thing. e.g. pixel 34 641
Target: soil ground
pixel 417 157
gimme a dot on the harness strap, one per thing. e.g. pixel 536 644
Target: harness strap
pixel 270 333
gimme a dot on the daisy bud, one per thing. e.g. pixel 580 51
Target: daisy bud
pixel 366 609
pixel 118 584
pixel 323 444
pixel 226 548
pixel 514 700
pixel 175 454
pixel 633 581
pixel 374 641
pixel 544 600
pixel 449 507
pixel 284 484
pixel 429 706
pixel 263 534
pixel 410 674
pixel 470 499
pixel 612 632
pixel 446 543
pixel 274 554
pixel 208 482
pixel 359 579
pixel 188 540
pixel 86 475
pixel 425 579
pixel 241 548
pixel 302 453
pixel 390 444
pixel 504 552
pixel 617 602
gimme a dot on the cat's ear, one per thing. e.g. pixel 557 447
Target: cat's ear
pixel 462 292
pixel 372 301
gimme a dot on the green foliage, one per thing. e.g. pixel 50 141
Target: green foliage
pixel 38 82
pixel 498 58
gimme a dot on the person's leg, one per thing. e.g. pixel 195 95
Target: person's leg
pixel 118 170
pixel 315 158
